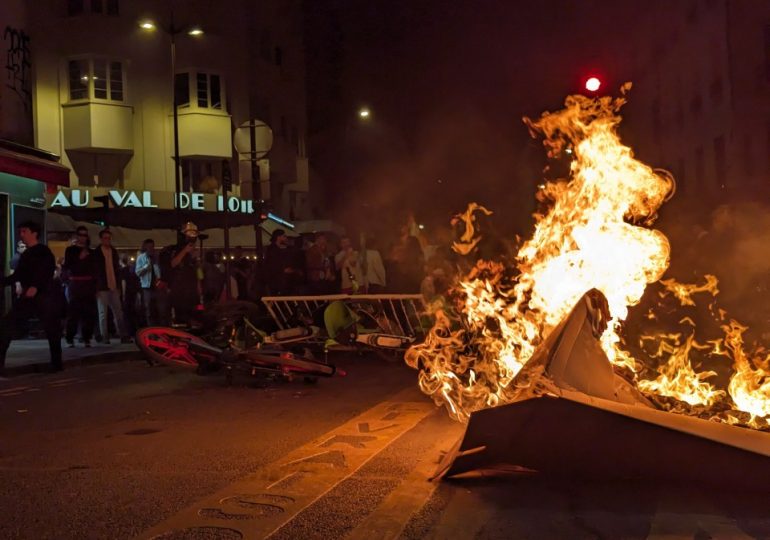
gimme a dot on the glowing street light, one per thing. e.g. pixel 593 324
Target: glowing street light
pixel 172 30
pixel 364 113
pixel 593 84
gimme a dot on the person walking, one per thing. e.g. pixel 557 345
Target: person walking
pixel 40 297
pixel 154 299
pixel 81 289
pixel 107 265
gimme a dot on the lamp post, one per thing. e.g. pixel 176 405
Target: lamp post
pixel 253 140
pixel 172 30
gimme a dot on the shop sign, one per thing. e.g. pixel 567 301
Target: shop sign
pixel 82 198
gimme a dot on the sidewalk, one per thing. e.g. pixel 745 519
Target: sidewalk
pixel 31 355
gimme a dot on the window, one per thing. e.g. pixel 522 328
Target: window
pixel 99 7
pixel 78 79
pixel 182 89
pixel 96 78
pixel 207 92
pixel 203 176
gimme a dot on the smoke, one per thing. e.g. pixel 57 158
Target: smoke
pixel 733 244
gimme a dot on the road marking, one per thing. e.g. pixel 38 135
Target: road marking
pixel 301 477
pixel 392 514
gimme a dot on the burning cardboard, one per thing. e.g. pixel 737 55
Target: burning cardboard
pixel 574 415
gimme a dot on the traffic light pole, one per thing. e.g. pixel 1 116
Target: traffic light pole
pixel 256 195
pixel 227 181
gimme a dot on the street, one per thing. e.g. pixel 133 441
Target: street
pixel 124 450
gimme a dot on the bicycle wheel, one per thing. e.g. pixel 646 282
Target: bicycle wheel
pixel 174 347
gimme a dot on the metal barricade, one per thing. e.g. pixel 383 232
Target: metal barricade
pixel 395 314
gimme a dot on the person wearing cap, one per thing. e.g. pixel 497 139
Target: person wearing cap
pixel 179 274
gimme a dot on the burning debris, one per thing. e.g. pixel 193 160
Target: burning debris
pixel 603 420
pixel 595 234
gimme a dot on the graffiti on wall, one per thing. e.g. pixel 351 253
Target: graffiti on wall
pixel 18 64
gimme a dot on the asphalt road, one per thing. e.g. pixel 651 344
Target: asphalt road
pixel 124 451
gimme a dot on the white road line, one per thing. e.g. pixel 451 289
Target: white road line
pixel 304 475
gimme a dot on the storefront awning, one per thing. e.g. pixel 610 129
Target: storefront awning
pixel 33 167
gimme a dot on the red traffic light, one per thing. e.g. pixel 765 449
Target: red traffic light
pixel 593 84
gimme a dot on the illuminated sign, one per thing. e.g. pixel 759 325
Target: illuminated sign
pixel 204 202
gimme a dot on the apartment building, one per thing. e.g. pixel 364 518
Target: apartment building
pixel 700 106
pixel 104 88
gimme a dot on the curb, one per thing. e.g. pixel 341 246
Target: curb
pixel 95 359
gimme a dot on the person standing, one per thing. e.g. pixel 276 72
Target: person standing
pixel 348 265
pixel 372 270
pixel 81 289
pixel 40 297
pixel 213 279
pixel 147 270
pixel 107 265
pixel 279 264
pixel 179 273
pixel 318 266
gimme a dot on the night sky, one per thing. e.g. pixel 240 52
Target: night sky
pixel 448 83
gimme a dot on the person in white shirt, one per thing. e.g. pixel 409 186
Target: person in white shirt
pixel 372 270
pixel 347 263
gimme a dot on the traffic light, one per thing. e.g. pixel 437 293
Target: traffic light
pixel 593 84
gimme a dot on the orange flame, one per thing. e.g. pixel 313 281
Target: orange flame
pixel 595 234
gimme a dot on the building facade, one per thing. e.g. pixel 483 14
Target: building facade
pixel 26 173
pixel 700 106
pixel 103 94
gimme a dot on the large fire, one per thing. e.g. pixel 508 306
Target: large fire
pixel 595 233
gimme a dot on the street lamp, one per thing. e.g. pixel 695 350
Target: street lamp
pixel 364 113
pixel 172 30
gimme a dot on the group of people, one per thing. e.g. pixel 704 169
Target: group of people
pixel 102 295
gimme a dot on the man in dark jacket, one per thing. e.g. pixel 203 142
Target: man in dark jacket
pixel 280 265
pixel 40 298
pixel 107 272
pixel 179 273
pixel 79 267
